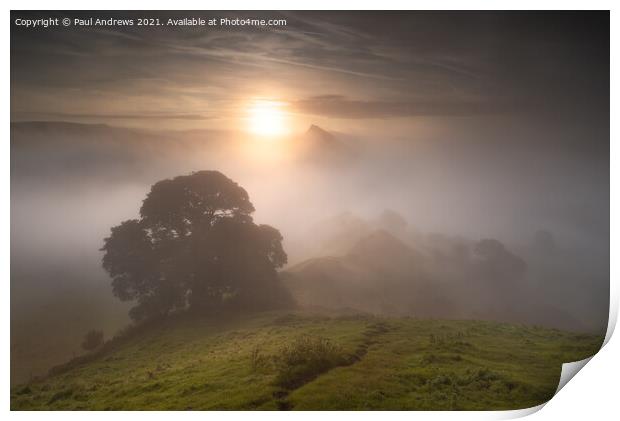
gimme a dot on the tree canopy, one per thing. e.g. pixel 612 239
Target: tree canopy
pixel 195 246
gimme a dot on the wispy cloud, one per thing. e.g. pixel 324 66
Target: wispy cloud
pixel 129 116
pixel 338 106
pixel 380 65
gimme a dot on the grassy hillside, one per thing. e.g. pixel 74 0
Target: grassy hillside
pixel 306 361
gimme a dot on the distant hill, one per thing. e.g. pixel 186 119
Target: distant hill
pixel 318 145
pixel 320 136
pixel 379 274
pixel 50 150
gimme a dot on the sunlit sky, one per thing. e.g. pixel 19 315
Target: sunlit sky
pixel 345 70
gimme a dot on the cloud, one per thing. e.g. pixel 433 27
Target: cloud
pixel 133 116
pixel 381 65
pixel 339 106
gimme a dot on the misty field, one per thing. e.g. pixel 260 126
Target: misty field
pixel 304 361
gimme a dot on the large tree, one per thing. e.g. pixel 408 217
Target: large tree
pixel 195 246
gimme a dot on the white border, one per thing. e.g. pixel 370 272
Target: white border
pixel 593 394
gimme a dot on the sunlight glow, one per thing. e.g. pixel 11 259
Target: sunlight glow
pixel 266 118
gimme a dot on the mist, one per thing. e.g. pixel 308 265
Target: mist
pixel 325 192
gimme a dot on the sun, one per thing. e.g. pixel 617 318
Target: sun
pixel 267 118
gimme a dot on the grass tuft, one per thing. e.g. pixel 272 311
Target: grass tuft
pixel 305 359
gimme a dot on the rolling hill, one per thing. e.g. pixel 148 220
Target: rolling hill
pixel 311 361
pixel 378 274
pixel 382 274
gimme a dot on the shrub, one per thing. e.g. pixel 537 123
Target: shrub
pixel 257 359
pixel 481 378
pixel 61 395
pixel 92 340
pixel 441 380
pixel 305 359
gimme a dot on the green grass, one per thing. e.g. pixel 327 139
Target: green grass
pixel 307 362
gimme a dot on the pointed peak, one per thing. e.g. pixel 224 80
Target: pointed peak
pixel 316 130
